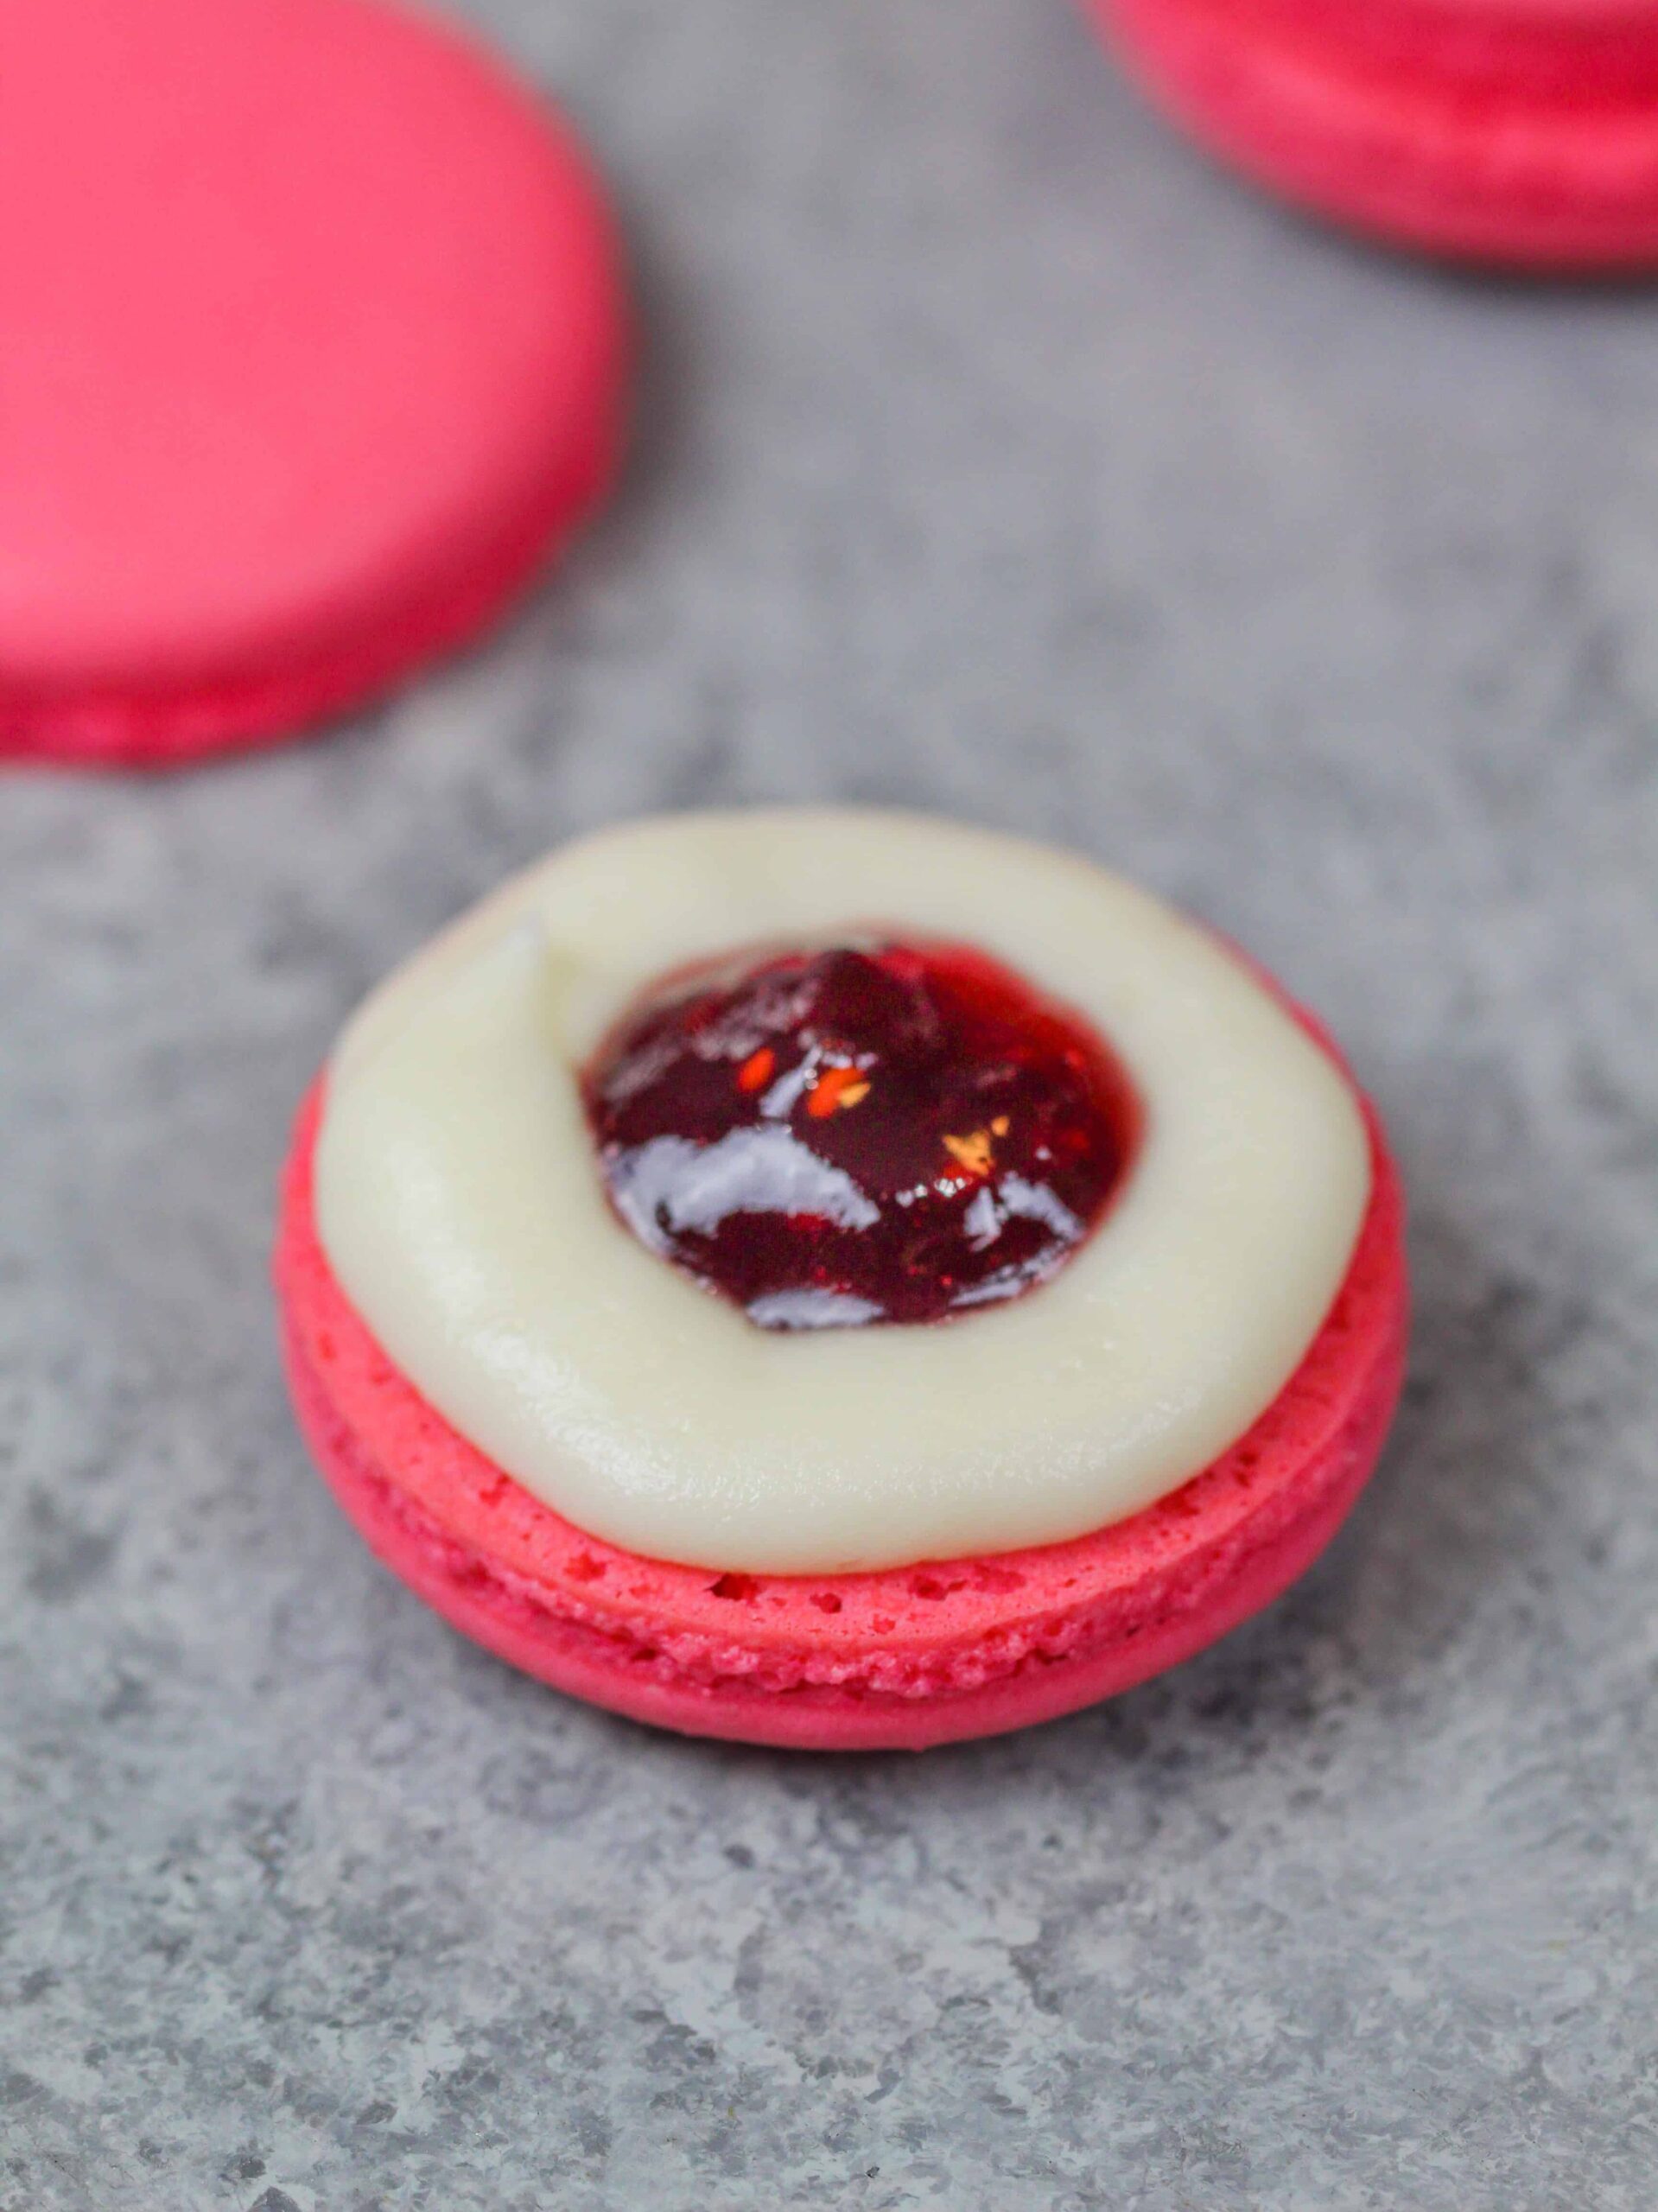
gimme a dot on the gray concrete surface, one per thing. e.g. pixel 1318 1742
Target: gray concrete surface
pixel 995 456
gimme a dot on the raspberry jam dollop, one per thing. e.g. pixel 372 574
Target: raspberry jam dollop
pixel 872 1131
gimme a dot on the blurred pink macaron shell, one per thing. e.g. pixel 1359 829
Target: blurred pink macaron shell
pixel 1518 133
pixel 313 347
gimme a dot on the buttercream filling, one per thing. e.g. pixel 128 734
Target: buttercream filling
pixel 459 1202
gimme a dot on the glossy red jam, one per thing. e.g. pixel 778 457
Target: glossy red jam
pixel 870 1132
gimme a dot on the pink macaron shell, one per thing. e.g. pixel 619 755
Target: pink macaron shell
pixel 1518 133
pixel 1602 48
pixel 312 348
pixel 901 1658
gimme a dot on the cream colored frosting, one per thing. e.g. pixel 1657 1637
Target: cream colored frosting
pixel 458 1201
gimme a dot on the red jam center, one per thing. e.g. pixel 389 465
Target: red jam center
pixel 869 1132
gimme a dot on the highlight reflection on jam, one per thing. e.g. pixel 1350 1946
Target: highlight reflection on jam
pixel 872 1132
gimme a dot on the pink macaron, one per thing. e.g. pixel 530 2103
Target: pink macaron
pixel 897 1658
pixel 312 350
pixel 1521 133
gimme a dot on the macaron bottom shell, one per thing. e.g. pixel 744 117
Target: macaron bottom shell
pixel 902 1658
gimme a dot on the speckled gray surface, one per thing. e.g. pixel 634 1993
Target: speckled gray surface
pixel 993 456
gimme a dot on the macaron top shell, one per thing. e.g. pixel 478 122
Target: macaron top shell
pixel 305 308
pixel 460 1203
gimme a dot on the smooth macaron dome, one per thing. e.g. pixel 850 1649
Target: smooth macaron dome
pixel 516 1288
pixel 1518 132
pixel 312 348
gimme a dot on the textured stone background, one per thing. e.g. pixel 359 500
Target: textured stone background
pixel 993 456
